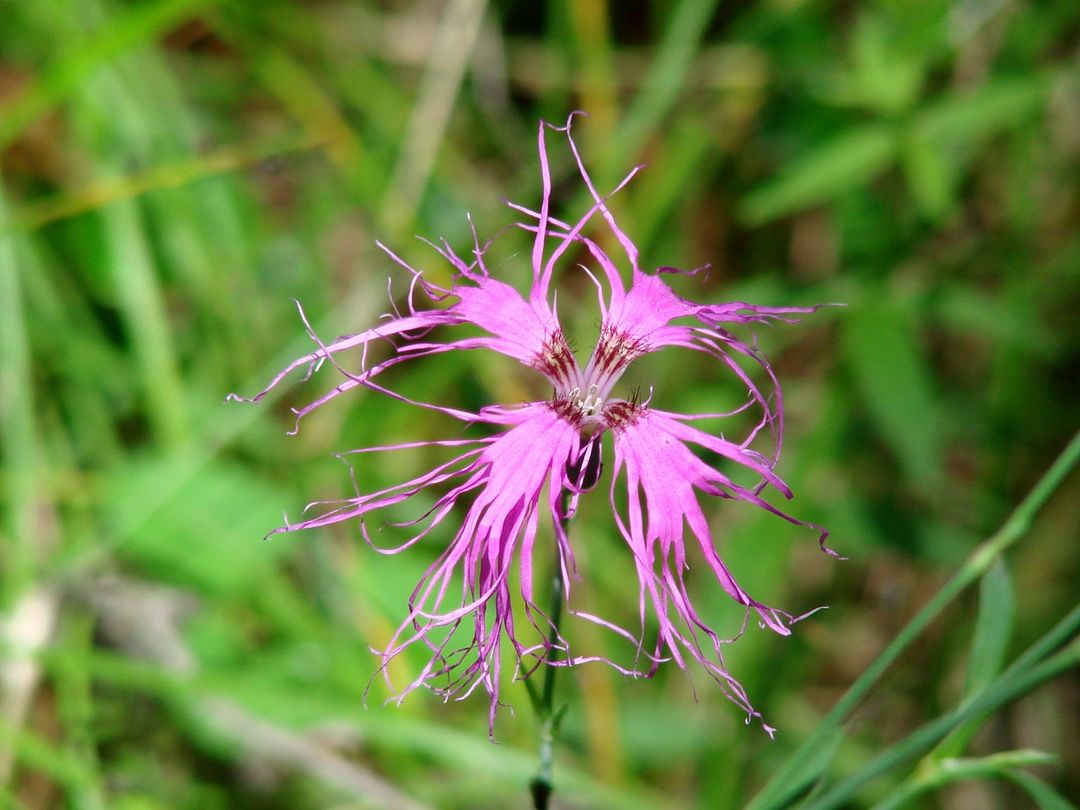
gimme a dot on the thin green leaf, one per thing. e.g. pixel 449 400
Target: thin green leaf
pixel 950 771
pixel 173 174
pixel 808 771
pixel 674 55
pixel 39 754
pixel 883 75
pixel 681 165
pixel 207 533
pixel 776 793
pixel 895 382
pixel 1045 796
pixel 1014 684
pixel 1004 319
pixel 18 429
pixel 73 689
pixel 993 629
pixel 847 161
pixel 991 108
pixel 931 175
pixel 143 24
pixel 142 301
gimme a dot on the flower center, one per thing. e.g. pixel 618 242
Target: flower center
pixel 583 397
pixel 615 351
pixel 588 405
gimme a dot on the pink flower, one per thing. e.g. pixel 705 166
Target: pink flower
pixel 544 455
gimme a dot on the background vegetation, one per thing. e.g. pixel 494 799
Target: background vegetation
pixel 175 171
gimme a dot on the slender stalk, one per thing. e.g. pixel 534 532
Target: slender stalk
pixel 543 784
pixel 1006 688
pixel 806 764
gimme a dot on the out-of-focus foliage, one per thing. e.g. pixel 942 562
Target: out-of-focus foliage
pixel 175 171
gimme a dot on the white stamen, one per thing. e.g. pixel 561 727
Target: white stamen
pixel 589 405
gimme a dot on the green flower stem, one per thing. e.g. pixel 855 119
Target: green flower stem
pixel 949 771
pixel 543 785
pixel 1008 687
pixel 806 764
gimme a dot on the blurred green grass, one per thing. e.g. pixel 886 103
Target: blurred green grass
pixel 173 173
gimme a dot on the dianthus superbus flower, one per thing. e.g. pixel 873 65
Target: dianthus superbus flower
pixel 544 455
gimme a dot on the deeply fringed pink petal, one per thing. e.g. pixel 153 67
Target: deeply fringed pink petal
pixel 471 577
pixel 663 479
pixel 515 327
